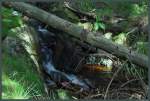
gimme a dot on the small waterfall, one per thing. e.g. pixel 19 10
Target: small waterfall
pixel 46 54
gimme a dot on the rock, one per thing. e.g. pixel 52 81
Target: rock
pixel 12 45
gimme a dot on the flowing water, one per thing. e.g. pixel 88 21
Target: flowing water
pixel 46 41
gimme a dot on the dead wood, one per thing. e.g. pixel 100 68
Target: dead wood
pixel 71 29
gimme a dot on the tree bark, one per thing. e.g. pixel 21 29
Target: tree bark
pixel 72 29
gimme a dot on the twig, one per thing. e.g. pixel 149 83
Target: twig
pixel 128 82
pixel 115 74
pixel 78 65
pixel 92 15
pixel 145 87
pixel 95 95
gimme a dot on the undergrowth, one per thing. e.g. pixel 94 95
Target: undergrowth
pixel 19 77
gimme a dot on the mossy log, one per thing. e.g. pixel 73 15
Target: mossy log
pixel 91 38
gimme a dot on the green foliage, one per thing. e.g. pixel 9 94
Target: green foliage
pixel 59 94
pixel 120 38
pixel 102 12
pixel 85 6
pixel 99 25
pixel 18 73
pixel 138 10
pixel 10 19
pixel 130 10
pixel 12 89
pixel 123 8
pixel 142 47
pixel 63 94
pixel 132 70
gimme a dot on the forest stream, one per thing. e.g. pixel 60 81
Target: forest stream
pixel 54 76
pixel 75 50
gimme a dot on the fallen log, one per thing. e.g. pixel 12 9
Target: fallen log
pixel 78 32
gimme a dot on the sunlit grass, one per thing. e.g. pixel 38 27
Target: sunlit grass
pixel 20 79
pixel 12 89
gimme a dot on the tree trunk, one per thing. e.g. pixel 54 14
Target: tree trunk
pixel 72 29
